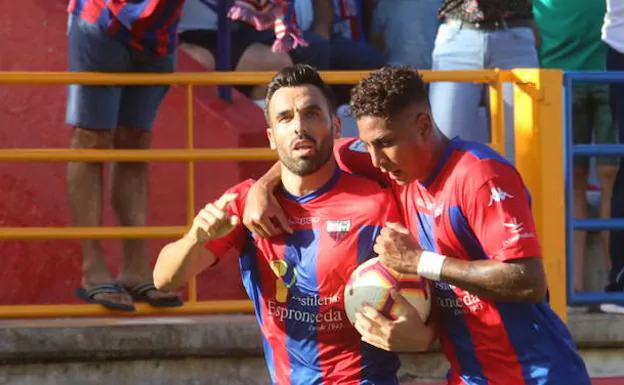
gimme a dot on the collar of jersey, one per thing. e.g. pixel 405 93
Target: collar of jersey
pixel 446 154
pixel 316 193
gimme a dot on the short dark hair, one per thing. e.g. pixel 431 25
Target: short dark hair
pixel 295 76
pixel 387 91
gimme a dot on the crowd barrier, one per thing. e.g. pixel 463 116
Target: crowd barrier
pixel 571 150
pixel 539 153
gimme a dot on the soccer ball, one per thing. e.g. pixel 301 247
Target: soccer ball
pixel 371 283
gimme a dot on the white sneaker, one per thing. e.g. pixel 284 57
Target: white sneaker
pixel 612 308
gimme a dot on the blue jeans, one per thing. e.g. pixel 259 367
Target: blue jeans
pixel 615 62
pixel 456 107
pixel 409 29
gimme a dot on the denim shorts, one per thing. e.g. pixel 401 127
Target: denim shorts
pixel 92 49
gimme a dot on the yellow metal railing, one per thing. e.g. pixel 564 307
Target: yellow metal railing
pixel 533 107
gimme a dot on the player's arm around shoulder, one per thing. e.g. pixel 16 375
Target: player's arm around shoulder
pixel 186 257
pixel 352 156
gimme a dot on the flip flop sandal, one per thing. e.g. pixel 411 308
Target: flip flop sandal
pixel 139 293
pixel 88 295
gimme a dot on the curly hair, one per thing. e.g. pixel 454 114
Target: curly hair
pixel 295 76
pixel 386 92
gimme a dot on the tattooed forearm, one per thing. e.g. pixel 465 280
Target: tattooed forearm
pixel 521 280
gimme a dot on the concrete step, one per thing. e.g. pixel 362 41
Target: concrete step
pixel 210 350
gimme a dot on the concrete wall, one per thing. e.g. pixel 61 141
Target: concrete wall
pixel 210 350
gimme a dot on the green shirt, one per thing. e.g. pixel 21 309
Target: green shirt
pixel 570 33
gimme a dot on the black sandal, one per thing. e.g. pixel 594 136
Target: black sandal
pixel 139 293
pixel 88 295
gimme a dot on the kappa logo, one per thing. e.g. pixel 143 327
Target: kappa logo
pixel 303 221
pixel 498 195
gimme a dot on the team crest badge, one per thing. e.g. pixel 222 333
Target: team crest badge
pixel 338 230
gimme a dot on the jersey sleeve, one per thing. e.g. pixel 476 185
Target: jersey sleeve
pixel 236 239
pixel 352 156
pixel 499 213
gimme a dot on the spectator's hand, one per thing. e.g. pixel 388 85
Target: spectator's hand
pixel 263 215
pixel 397 249
pixel 408 333
pixel 213 222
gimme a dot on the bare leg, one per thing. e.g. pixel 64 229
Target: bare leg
pixel 129 185
pixel 84 181
pixel 606 175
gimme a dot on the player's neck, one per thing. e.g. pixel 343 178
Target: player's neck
pixel 302 185
pixel 439 143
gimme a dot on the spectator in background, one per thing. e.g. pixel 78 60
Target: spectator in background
pixel 478 34
pixel 406 30
pixel 117 37
pixel 332 38
pixel 337 40
pixel 570 40
pixel 613 35
pixel 250 50
pixel 339 25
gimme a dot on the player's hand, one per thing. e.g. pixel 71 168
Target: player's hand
pixel 397 249
pixel 263 215
pixel 408 333
pixel 213 221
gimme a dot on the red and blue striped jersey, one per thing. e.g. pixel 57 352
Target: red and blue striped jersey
pixel 145 25
pixel 348 20
pixel 475 206
pixel 296 282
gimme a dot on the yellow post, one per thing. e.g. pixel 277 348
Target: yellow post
pixel 190 180
pixel 539 157
pixel 497 113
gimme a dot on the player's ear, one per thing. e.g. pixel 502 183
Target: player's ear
pixel 424 124
pixel 336 126
pixel 269 132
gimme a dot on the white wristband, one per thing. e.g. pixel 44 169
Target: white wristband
pixel 430 265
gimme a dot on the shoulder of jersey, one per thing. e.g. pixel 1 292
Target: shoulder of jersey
pixel 241 189
pixel 480 162
pixel 481 154
pixel 360 184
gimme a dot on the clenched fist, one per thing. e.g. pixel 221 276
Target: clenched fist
pixel 397 249
pixel 213 221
